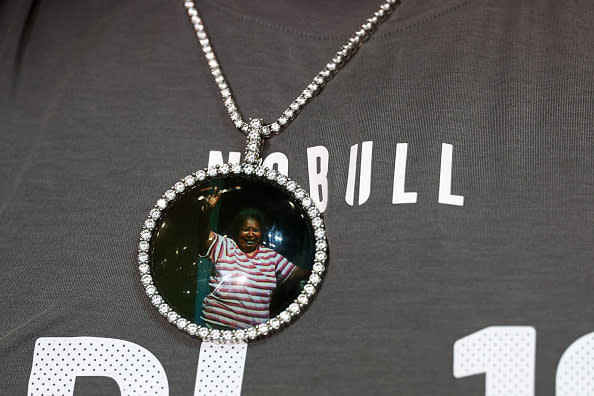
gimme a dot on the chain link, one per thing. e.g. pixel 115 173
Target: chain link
pixel 341 57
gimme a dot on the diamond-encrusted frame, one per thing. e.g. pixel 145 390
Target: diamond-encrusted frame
pixel 273 325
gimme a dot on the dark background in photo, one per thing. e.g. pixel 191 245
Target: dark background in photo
pixel 175 260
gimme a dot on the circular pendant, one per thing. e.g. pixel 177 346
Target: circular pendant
pixel 232 253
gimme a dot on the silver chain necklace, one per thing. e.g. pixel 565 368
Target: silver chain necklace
pixel 223 243
pixel 263 130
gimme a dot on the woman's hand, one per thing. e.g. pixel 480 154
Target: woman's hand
pixel 212 198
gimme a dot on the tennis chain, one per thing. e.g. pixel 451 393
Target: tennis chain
pixel 257 127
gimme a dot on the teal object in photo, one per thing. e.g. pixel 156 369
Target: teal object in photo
pixel 205 266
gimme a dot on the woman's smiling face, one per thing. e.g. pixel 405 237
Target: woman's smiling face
pixel 250 235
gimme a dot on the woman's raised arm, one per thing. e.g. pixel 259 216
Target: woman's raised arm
pixel 205 235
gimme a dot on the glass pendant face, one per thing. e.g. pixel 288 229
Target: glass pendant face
pixel 232 253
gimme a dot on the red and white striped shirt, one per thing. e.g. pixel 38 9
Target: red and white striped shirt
pixel 242 285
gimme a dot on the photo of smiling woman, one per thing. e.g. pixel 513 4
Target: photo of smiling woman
pixel 244 273
pixel 231 253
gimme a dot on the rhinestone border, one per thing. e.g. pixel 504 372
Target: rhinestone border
pixel 273 325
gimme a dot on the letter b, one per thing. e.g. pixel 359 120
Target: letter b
pixel 57 361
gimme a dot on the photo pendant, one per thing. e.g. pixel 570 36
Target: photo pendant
pixel 233 253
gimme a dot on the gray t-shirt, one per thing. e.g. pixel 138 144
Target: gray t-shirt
pixel 458 145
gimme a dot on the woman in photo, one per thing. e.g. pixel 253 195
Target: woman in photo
pixel 245 273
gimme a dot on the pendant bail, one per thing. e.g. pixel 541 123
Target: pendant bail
pixel 255 141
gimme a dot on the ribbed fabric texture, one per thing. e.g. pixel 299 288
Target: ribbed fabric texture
pixel 106 104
